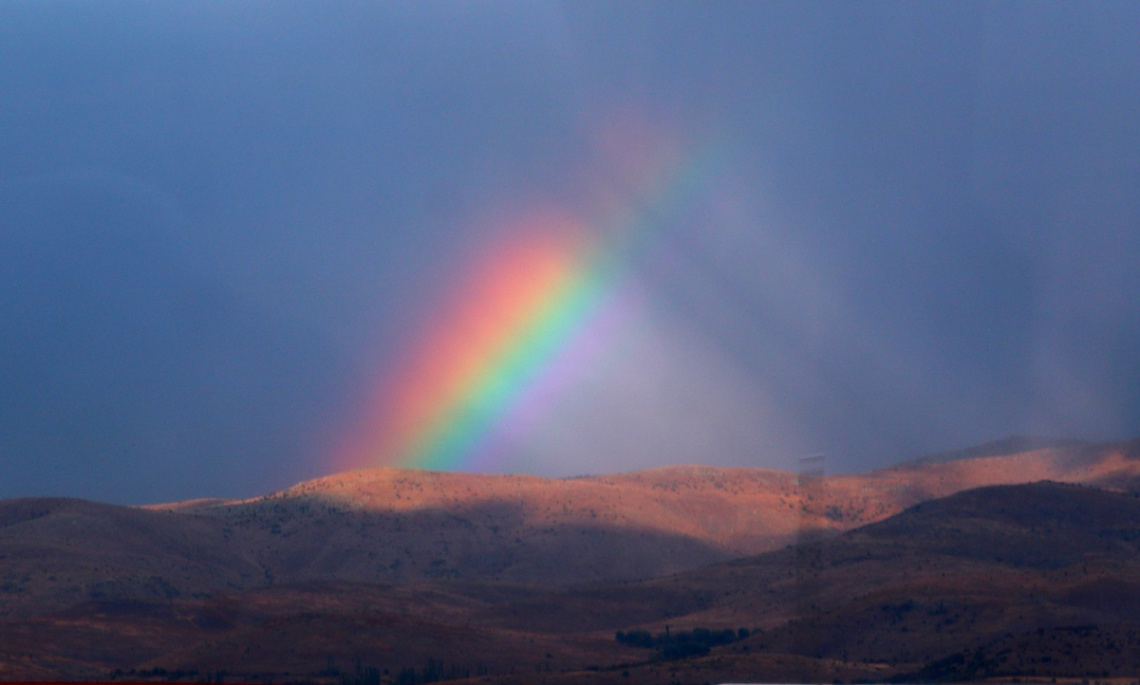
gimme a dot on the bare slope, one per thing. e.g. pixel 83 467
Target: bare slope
pixel 1010 580
pixel 398 526
pixel 1030 580
pixel 58 552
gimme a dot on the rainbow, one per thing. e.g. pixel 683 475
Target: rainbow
pixel 533 310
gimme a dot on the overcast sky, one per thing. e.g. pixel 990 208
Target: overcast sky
pixel 220 222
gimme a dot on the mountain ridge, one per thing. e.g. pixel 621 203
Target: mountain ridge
pixel 941 591
pixel 398 526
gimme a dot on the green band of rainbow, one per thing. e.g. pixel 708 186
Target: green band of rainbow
pixel 528 303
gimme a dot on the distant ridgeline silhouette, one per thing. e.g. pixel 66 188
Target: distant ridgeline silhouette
pixel 1011 445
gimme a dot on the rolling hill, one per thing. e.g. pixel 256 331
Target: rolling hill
pixel 488 574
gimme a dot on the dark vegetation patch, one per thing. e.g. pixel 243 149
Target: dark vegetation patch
pixel 683 643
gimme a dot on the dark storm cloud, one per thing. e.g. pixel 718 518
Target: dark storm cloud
pixel 219 221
